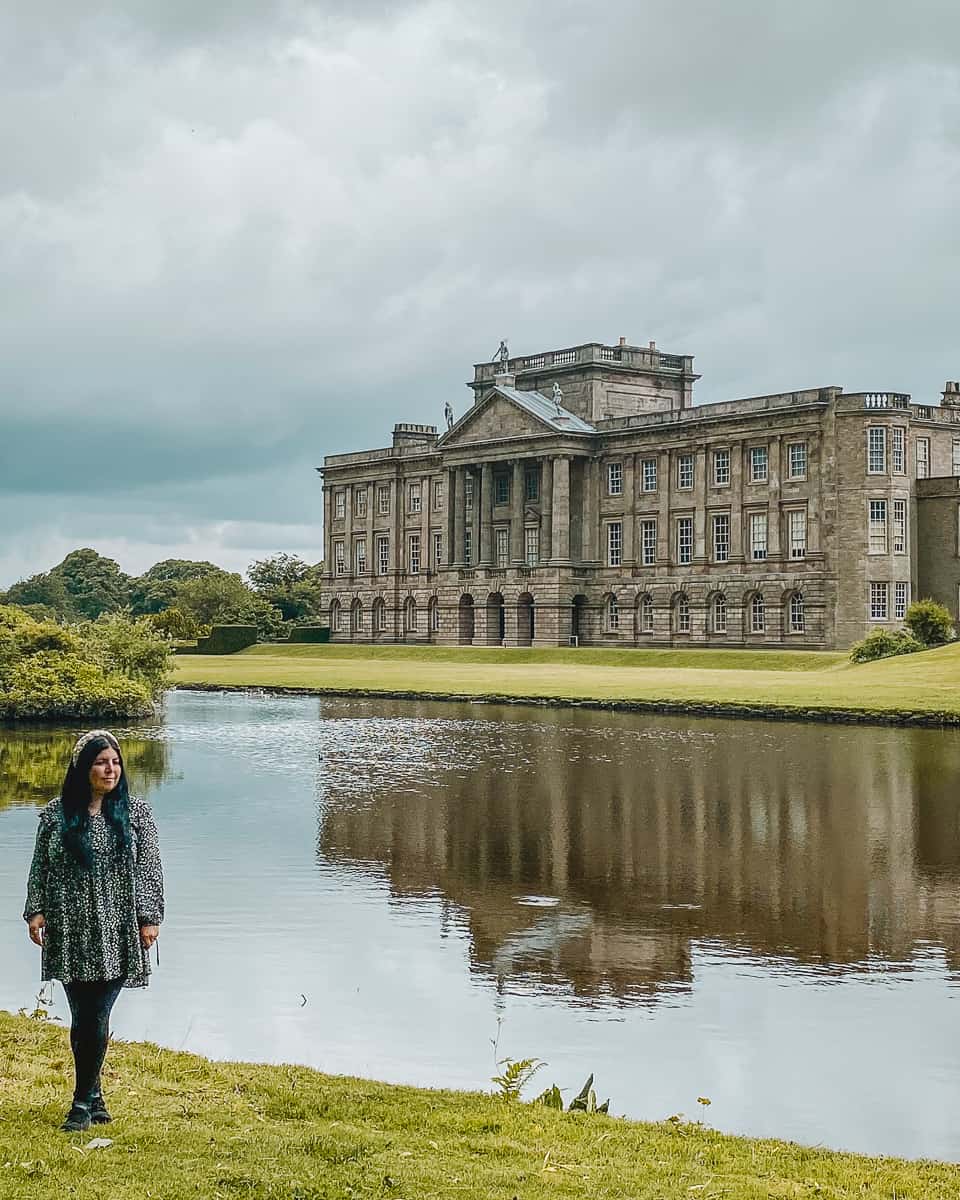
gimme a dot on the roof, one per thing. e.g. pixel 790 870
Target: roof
pixel 560 419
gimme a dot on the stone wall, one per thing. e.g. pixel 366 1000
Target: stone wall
pixel 938 549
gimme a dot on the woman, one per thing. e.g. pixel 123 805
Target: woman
pixel 94 904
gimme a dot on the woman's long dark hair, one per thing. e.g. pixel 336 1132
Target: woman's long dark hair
pixel 75 803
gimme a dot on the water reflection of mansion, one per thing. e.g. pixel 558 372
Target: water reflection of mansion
pixel 582 494
pixel 843 861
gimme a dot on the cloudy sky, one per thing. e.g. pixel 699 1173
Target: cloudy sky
pixel 236 236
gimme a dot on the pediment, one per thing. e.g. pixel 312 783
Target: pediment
pixel 496 416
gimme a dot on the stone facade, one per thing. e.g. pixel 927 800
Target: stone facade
pixel 584 496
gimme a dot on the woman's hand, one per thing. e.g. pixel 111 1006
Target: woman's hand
pixel 148 935
pixel 37 926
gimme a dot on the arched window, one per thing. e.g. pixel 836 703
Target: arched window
pixel 356 616
pixel 758 614
pixel 336 616
pixel 611 615
pixel 410 617
pixel 718 613
pixel 798 623
pixel 379 615
pixel 433 612
pixel 646 614
pixel 683 613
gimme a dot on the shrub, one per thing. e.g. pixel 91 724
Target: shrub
pixel 134 648
pixel 929 622
pixel 53 684
pixel 882 643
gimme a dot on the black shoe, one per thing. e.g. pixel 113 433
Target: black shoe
pixel 77 1119
pixel 98 1111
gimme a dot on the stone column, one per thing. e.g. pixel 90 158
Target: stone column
pixel 736 505
pixel 700 554
pixel 546 508
pixel 774 550
pixel 371 555
pixel 589 506
pixel 664 532
pixel 425 506
pixel 328 502
pixel 348 535
pixel 560 532
pixel 486 514
pixel 814 492
pixel 629 504
pixel 451 540
pixel 459 516
pixel 516 514
pixel 476 519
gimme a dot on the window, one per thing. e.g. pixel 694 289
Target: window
pixel 433 609
pixel 646 614
pixel 467 547
pixel 360 502
pixel 360 555
pixel 758 614
pixel 614 543
pixel 898 450
pixel 877 538
pixel 721 468
pixel 501 489
pixel 503 547
pixel 649 475
pixel 721 537
pixel 411 618
pixel 413 556
pixel 797 532
pixel 356 617
pixel 531 545
pixel 878 601
pixel 336 616
pixel 468 492
pixel 901 592
pixel 899 526
pixel 413 503
pixel 923 458
pixel 876 450
pixel 383 555
pixel 798 622
pixel 615 479
pixel 685 471
pixel 383 501
pixel 797 460
pixel 758 536
pixel 437 551
pixel 718 614
pixel 648 542
pixel 611 615
pixel 379 616
pixel 339 505
pixel 683 613
pixel 437 495
pixel 339 558
pixel 531 483
pixel 758 464
pixel 685 540
pixel 955 461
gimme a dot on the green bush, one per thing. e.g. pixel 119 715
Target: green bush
pixel 929 622
pixel 53 684
pixel 310 633
pixel 882 643
pixel 227 639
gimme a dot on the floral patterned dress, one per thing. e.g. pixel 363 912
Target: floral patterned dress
pixel 94 913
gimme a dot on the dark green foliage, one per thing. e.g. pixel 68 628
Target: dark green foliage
pixel 84 585
pixel 310 633
pixel 155 590
pixel 174 623
pixel 288 583
pixel 224 599
pixel 882 643
pixel 106 668
pixel 929 622
pixel 227 639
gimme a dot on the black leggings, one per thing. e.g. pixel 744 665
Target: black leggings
pixel 90 1006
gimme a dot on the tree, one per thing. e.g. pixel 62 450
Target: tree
pixel 224 599
pixel 929 622
pixel 288 583
pixel 155 590
pixel 46 590
pixel 94 583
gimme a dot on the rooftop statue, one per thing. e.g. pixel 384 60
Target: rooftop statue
pixel 557 397
pixel 448 414
pixel 503 354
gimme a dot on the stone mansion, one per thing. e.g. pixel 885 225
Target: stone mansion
pixel 583 499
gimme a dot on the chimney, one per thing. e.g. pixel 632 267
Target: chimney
pixel 951 394
pixel 623 341
pixel 653 345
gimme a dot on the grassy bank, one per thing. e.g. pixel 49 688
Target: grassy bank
pixel 920 683
pixel 188 1127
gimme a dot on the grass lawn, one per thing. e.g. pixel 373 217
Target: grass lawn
pixel 185 1127
pixel 926 682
